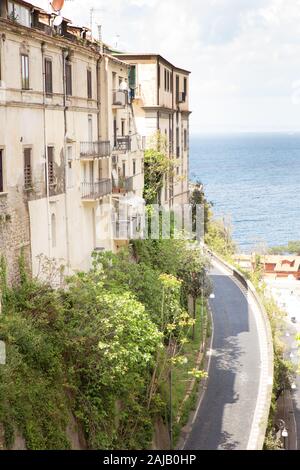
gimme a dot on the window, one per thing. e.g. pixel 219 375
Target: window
pixel 51 173
pixel 90 128
pixel 177 143
pixel 177 171
pixel 134 167
pixel 89 84
pixel 132 77
pixel 185 88
pixel 166 79
pixel 123 127
pixel 115 132
pixel 53 230
pixel 158 78
pixel 48 77
pixel 185 139
pixel 1 172
pixel 124 169
pixel 27 169
pixel 177 88
pixel 25 71
pixel 68 79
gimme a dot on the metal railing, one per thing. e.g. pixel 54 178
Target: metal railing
pixel 95 190
pixel 123 144
pixel 95 149
pixel 120 98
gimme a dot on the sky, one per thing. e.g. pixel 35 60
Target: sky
pixel 244 55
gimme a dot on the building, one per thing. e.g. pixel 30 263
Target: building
pixel 68 145
pixel 275 267
pixel 160 96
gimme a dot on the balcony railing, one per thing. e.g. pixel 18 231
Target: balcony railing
pixel 123 185
pixel 127 229
pixel 95 149
pixel 120 98
pixel 93 191
pixel 123 144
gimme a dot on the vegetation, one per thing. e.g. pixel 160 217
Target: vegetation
pixel 293 247
pixel 99 350
pixel 217 233
pixel 157 166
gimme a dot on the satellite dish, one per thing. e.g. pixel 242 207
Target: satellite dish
pixel 58 21
pixel 57 5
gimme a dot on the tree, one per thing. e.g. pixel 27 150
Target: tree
pixel 195 280
pixel 157 165
pixel 197 198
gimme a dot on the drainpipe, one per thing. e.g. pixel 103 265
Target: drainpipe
pixel 64 57
pixel 4 9
pixel 43 49
pixel 99 104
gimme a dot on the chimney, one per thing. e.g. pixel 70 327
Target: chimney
pixel 4 8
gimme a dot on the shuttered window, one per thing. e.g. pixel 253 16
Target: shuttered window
pixel 25 71
pixel 51 173
pixel 89 84
pixel 69 79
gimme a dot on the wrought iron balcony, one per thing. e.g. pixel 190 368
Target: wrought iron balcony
pixel 96 190
pixel 123 144
pixel 92 150
pixel 120 98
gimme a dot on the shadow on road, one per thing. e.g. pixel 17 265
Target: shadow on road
pixel 225 416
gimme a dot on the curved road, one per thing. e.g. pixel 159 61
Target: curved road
pixel 225 415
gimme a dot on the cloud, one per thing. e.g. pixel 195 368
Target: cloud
pixel 240 52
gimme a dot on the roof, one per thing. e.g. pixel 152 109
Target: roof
pixel 30 5
pixel 140 56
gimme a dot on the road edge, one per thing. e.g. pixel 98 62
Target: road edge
pixel 263 405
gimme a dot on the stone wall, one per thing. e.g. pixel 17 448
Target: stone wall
pixel 14 231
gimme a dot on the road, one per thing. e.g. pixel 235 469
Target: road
pixel 225 415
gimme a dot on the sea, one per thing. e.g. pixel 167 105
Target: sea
pixel 253 181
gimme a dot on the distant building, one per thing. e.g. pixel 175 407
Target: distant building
pixel 273 266
pixel 160 96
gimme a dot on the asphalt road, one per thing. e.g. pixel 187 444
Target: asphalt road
pixel 225 416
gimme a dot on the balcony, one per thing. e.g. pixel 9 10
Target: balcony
pixel 120 98
pixel 93 191
pixel 123 144
pixel 127 229
pixel 123 185
pixel 92 150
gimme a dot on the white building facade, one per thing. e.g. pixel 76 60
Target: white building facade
pixel 68 145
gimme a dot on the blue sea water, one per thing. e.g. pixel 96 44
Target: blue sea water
pixel 255 180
